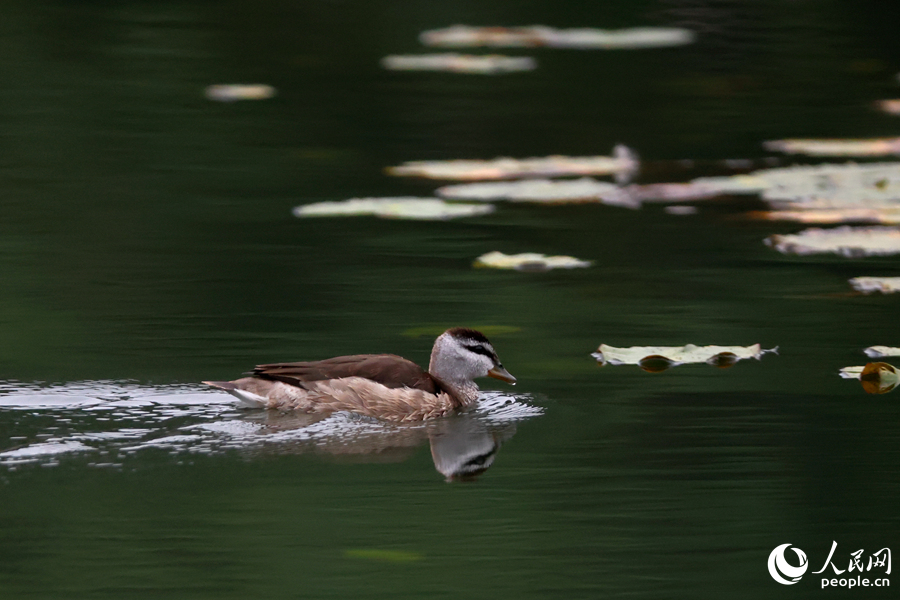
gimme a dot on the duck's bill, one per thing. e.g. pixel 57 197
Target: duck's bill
pixel 502 374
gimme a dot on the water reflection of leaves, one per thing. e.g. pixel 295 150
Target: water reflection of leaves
pixel 837 147
pixel 459 36
pixel 622 161
pixel 875 377
pixel 459 63
pixel 655 359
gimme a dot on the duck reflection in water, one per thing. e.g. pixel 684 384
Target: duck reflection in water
pixel 463 445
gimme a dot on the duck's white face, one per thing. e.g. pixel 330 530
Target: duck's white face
pixel 462 355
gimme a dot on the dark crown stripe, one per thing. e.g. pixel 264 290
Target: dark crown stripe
pixel 479 349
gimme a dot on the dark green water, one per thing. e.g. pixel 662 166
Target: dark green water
pixel 147 243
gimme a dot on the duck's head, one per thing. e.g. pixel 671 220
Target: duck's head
pixel 461 355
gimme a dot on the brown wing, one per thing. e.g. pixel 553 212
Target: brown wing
pixel 387 369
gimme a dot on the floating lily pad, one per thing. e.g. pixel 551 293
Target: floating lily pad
pixel 867 285
pixel 881 351
pixel 552 191
pixel 846 241
pixel 383 555
pixel 243 91
pixel 543 191
pixel 876 377
pixel 660 358
pixel 492 64
pixel 529 261
pixel 837 147
pixel 622 161
pixel 428 209
pixel 459 36
pixel 879 216
pixel 892 107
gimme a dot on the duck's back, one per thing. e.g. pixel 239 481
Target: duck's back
pixel 389 370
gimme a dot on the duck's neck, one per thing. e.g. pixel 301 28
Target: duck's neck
pixel 463 392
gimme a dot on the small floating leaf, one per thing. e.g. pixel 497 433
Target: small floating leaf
pixel 234 92
pixel 459 63
pixel 428 209
pixel 892 107
pixel 881 351
pixel 846 241
pixel 867 285
pixel 540 35
pixel 528 261
pixel 875 215
pixel 383 555
pixel 547 191
pixel 553 191
pixel 658 358
pixel 622 161
pixel 837 147
pixel 876 377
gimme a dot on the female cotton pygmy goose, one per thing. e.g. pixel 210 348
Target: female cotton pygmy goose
pixel 384 386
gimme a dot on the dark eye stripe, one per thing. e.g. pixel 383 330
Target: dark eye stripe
pixel 478 349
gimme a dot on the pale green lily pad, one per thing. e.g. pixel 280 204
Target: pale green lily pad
pixel 459 36
pixel 881 351
pixel 553 191
pixel 659 358
pixel 428 209
pixel 836 147
pixel 384 555
pixel 542 191
pixel 868 285
pixel 622 161
pixel 239 91
pixel 875 216
pixel 529 261
pixel 876 377
pixel 892 107
pixel 492 64
pixel 436 330
pixel 846 241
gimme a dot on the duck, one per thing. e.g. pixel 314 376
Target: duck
pixel 383 386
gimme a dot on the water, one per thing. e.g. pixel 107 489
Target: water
pixel 147 244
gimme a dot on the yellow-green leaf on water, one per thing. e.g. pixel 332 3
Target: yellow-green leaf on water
pixel 528 261
pixel 426 209
pixel 459 63
pixel 540 35
pixel 383 555
pixel 659 358
pixel 868 285
pixel 436 330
